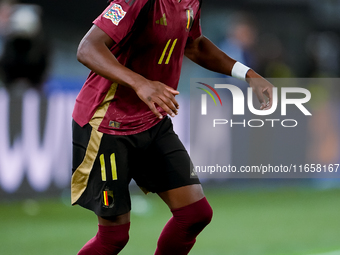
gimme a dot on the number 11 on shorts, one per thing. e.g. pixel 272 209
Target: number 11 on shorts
pixel 113 167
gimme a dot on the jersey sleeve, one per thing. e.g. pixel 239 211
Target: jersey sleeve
pixel 119 17
pixel 196 30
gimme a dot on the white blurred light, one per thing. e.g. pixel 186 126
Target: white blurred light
pixel 44 160
pixel 25 20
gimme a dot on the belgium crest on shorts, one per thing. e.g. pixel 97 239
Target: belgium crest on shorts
pixel 108 200
pixel 190 18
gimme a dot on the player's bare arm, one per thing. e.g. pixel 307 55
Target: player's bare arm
pixel 206 54
pixel 94 52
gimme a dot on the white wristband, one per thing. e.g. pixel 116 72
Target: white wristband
pixel 239 71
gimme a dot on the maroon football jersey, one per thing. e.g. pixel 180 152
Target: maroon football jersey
pixel 156 53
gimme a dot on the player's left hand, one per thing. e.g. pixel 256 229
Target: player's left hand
pixel 262 88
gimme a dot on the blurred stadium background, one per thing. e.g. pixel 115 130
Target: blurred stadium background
pixel 40 79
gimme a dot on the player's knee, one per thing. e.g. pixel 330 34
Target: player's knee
pixel 207 214
pixel 195 217
pixel 116 242
pixel 123 240
pixel 203 216
pixel 113 238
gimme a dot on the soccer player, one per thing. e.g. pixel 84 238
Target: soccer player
pixel 121 128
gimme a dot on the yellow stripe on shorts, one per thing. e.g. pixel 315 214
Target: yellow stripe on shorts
pixel 81 175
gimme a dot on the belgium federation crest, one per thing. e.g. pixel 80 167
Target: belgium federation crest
pixel 190 18
pixel 108 200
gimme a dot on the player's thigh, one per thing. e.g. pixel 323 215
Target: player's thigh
pixel 114 220
pixel 168 170
pixel 183 196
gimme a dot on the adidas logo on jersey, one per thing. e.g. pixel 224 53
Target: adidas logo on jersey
pixel 162 21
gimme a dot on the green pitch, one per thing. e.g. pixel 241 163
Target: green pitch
pixel 251 222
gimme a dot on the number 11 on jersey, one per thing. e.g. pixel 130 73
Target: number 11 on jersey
pixel 165 50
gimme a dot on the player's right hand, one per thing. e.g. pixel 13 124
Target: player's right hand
pixel 155 92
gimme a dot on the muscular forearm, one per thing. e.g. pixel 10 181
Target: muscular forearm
pixel 206 54
pixel 203 52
